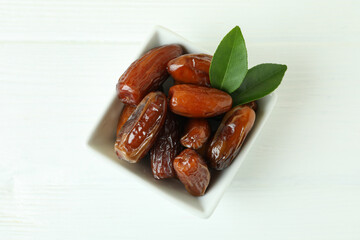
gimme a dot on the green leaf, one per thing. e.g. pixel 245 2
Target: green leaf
pixel 229 64
pixel 259 82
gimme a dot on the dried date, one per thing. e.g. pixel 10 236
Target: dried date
pixel 192 171
pixel 191 68
pixel 139 132
pixel 166 147
pixel 197 101
pixel 196 133
pixel 146 74
pixel 230 136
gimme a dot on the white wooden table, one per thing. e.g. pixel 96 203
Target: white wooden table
pixel 59 63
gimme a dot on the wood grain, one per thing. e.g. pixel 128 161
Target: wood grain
pixel 59 64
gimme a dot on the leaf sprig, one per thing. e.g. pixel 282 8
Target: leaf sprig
pixel 229 71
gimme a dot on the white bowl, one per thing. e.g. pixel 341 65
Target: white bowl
pixel 103 138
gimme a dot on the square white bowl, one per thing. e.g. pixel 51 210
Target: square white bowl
pixel 103 137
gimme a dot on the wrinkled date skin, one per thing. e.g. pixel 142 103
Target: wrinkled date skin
pixel 139 132
pixel 191 68
pixel 166 147
pixel 197 101
pixel 229 137
pixel 146 74
pixel 124 116
pixel 192 171
pixel 197 131
pixel 253 105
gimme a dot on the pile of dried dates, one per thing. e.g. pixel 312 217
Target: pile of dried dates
pixel 175 129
